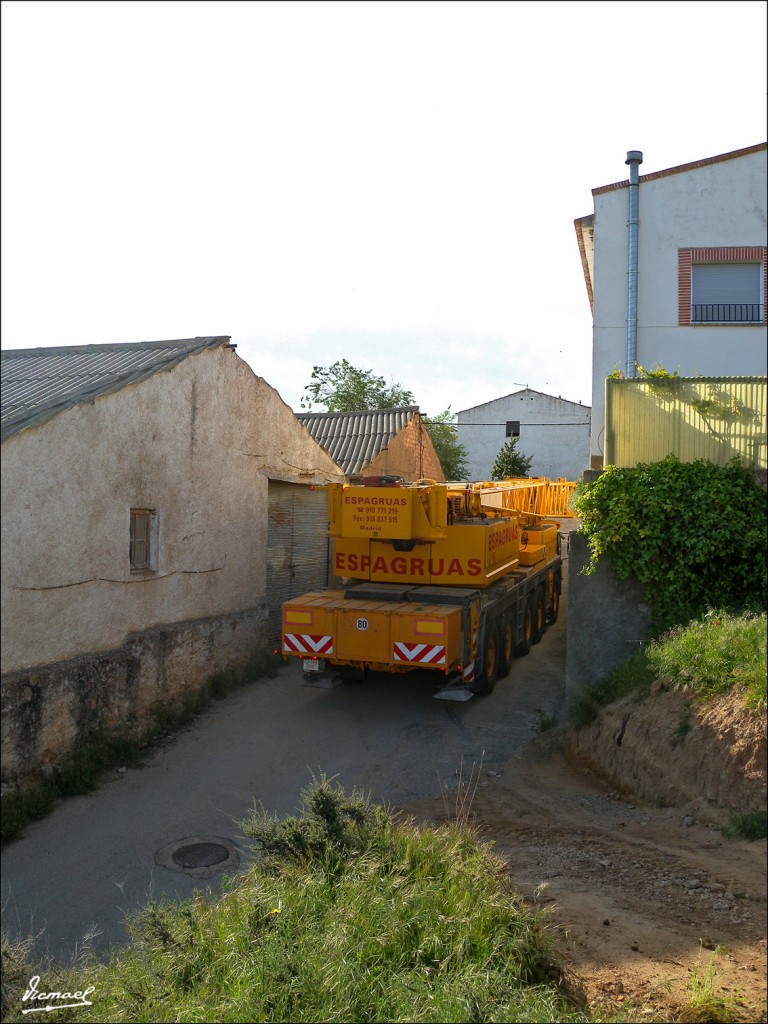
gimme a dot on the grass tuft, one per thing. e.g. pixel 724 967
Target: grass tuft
pixel 715 654
pixel 747 826
pixel 718 653
pixel 705 1005
pixel 351 915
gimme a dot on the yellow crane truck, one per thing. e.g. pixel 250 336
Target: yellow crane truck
pixel 455 578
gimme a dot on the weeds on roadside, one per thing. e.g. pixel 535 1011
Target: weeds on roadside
pixel 712 655
pixel 633 676
pixel 546 721
pixel 352 915
pixel 704 1005
pixel 747 826
pixel 707 657
pixel 458 804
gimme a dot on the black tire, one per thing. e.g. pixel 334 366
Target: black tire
pixel 506 646
pixel 554 607
pixel 524 646
pixel 486 680
pixel 539 614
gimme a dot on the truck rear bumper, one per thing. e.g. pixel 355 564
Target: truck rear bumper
pixel 375 634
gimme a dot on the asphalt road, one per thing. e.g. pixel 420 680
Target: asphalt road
pixel 72 877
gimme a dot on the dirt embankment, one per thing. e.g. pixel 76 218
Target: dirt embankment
pixel 616 831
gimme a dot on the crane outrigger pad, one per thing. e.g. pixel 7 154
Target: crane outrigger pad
pixel 321 681
pixel 454 691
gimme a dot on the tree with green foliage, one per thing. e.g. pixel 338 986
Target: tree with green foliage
pixel 510 462
pixel 692 533
pixel 445 440
pixel 343 387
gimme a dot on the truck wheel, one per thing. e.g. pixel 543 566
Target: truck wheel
pixel 539 610
pixel 486 681
pixel 554 607
pixel 525 644
pixel 506 646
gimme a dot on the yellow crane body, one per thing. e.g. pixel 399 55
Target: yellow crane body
pixel 456 578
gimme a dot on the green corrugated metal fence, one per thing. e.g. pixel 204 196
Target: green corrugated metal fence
pixel 715 418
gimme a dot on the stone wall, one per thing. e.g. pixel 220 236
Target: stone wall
pixel 50 709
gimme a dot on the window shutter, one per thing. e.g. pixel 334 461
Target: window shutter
pixel 725 283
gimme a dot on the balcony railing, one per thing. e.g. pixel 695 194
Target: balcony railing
pixel 727 313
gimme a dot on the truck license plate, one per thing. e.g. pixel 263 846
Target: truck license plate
pixel 311 664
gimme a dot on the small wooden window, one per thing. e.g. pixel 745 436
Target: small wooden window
pixel 143 542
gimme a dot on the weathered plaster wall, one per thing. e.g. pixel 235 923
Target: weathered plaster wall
pixel 198 445
pixel 554 433
pixel 719 205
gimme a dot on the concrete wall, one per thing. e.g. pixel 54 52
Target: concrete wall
pixel 608 620
pixel 720 204
pixel 197 444
pixel 553 432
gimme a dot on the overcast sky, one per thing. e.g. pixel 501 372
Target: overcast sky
pixel 391 183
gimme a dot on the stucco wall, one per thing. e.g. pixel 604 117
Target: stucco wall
pixel 89 644
pixel 197 444
pixel 553 432
pixel 719 205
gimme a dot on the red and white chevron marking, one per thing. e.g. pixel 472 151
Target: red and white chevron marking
pixel 420 654
pixel 469 673
pixel 304 643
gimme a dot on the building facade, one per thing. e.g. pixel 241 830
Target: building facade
pixel 678 279
pixel 134 530
pixel 551 431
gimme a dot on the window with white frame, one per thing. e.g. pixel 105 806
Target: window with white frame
pixel 143 539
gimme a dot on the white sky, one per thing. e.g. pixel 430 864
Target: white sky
pixel 391 183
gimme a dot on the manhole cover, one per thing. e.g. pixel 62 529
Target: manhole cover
pixel 200 855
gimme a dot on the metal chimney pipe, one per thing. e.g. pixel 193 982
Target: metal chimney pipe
pixel 634 159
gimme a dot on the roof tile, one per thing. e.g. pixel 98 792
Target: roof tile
pixel 354 439
pixel 38 383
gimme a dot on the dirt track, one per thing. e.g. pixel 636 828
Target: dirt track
pixel 644 900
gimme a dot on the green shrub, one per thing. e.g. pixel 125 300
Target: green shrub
pixel 693 534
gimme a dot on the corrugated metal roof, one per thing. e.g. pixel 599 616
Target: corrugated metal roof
pixel 354 439
pixel 38 383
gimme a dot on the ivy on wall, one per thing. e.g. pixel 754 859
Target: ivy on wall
pixel 692 533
